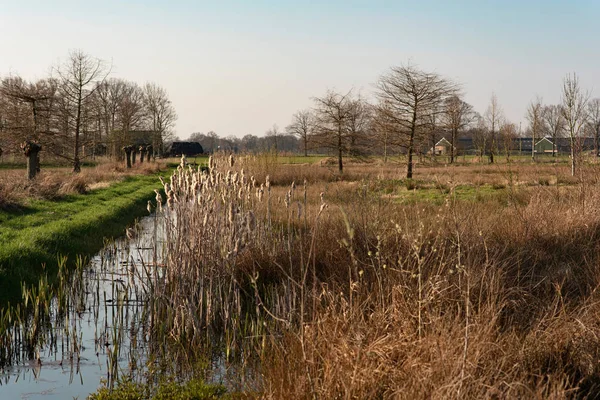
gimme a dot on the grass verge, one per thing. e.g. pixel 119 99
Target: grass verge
pixel 34 236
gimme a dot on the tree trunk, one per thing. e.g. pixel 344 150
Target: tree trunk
pixel 305 147
pixel 142 154
pixel 572 156
pixel 411 142
pixel 133 157
pixel 128 152
pixel 340 165
pixel 76 162
pixel 148 153
pixel 32 165
pixel 453 146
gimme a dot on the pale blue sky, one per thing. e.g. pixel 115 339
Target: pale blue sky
pixel 237 67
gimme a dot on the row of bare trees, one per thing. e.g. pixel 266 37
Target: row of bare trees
pixel 80 111
pixel 414 109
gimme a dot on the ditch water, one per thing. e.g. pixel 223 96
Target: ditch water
pixel 96 332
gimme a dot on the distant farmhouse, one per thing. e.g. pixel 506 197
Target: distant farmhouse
pixel 545 145
pixel 185 148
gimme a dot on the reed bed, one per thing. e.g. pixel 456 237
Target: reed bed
pixel 323 289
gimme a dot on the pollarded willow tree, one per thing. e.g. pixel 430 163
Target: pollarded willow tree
pixel 410 100
pixel 574 111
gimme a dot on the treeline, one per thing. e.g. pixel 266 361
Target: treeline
pixel 80 112
pixel 411 111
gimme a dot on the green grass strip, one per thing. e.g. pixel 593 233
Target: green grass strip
pixel 36 234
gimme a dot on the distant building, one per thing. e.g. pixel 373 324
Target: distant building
pixel 185 148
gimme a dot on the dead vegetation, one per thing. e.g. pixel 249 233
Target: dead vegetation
pixel 55 183
pixel 323 288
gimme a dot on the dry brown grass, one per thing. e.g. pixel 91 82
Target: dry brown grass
pixel 353 295
pixel 55 183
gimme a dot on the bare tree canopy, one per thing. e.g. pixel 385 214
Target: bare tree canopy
pixel 593 123
pixel 302 127
pixel 79 77
pixel 409 100
pixel 494 117
pixel 332 116
pixel 554 123
pixel 457 115
pixel 535 116
pixel 574 111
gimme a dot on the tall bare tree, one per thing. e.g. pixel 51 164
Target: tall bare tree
pixel 273 136
pixel 574 109
pixel 332 114
pixel 593 123
pixel 79 77
pixel 382 129
pixel 412 98
pixel 507 133
pixel 535 116
pixel 555 124
pixel 301 127
pixel 161 114
pixel 493 118
pixel 358 123
pixel 457 115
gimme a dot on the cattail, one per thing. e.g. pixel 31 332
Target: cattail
pixel 251 221
pixel 149 207
pixel 299 209
pixel 322 195
pixel 231 161
pixel 205 220
pixel 230 213
pixel 267 183
pixel 323 207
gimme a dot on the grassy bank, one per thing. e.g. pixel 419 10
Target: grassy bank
pixel 35 234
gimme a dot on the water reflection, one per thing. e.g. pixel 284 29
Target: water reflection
pixel 95 327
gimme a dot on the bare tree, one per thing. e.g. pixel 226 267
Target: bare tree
pixel 383 129
pixel 302 126
pixel 412 98
pixel 535 116
pixel 161 114
pixel 107 100
pixel 508 132
pixel 574 109
pixel 555 124
pixel 493 118
pixel 79 78
pixel 332 114
pixel 457 115
pixel 593 123
pixel 358 123
pixel 273 136
pixel 480 136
